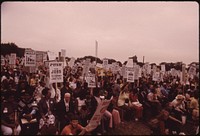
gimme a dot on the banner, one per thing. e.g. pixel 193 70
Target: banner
pixel 12 59
pixel 192 70
pixel 105 63
pixel 130 76
pixel 71 62
pixel 2 61
pixel 183 79
pixel 90 79
pixel 56 72
pixel 51 55
pixel 63 53
pixel 136 70
pixel 96 118
pixel 156 76
pixel 30 58
pixel 163 68
pixel 129 63
pixel 39 56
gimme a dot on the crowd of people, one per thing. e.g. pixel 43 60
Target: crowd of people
pixel 30 105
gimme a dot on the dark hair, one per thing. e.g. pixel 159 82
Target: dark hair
pixel 127 100
pixel 45 91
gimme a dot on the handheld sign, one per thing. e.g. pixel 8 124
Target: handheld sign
pixel 56 72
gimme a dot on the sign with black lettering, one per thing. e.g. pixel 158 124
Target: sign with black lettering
pixel 56 72
pixel 30 58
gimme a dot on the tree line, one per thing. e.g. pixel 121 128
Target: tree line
pixel 8 48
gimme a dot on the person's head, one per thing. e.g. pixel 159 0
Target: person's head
pixel 67 97
pixel 180 97
pixel 26 94
pixel 46 93
pixel 74 121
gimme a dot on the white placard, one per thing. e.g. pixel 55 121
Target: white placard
pixel 90 79
pixel 163 68
pixel 51 55
pixel 30 58
pixel 156 76
pixel 96 118
pixel 56 72
pixel 130 76
pixel 63 53
pixel 105 63
pixel 2 61
pixel 12 59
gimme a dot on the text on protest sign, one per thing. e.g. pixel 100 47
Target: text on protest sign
pixel 96 118
pixel 90 79
pixel 12 59
pixel 56 72
pixel 30 58
pixel 2 62
pixel 130 75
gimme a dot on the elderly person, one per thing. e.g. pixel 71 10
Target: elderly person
pixel 178 106
pixel 65 108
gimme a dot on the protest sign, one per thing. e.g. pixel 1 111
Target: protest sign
pixel 136 72
pixel 156 76
pixel 56 72
pixel 130 75
pixel 2 61
pixel 105 63
pixel 51 55
pixel 163 68
pixel 30 58
pixel 192 70
pixel 12 59
pixel 96 118
pixel 90 79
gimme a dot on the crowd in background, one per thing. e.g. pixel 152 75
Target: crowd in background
pixel 30 105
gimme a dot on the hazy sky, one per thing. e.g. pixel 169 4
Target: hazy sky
pixel 160 31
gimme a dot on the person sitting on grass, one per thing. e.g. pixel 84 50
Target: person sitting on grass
pixel 74 128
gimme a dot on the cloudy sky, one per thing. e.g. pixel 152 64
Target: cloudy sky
pixel 160 31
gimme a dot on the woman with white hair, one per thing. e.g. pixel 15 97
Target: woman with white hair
pixel 178 106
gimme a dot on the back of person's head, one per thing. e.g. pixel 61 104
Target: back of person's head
pixel 45 91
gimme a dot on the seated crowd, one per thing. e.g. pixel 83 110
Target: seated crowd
pixel 30 105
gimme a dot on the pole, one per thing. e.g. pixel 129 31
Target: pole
pixel 143 59
pixel 96 48
pixel 96 77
